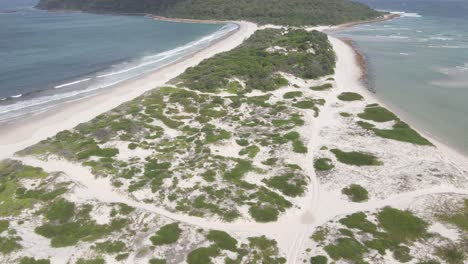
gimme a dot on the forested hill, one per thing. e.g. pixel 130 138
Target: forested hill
pixel 282 12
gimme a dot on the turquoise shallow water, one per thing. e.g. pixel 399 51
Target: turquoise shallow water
pixel 52 57
pixel 419 64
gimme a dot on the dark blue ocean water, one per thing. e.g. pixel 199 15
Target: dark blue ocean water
pixel 419 64
pixel 51 57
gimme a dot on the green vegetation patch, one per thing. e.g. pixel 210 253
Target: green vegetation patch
pixel 323 164
pixel 292 95
pixel 250 151
pixel 67 230
pixel 452 254
pixel 377 114
pixel 402 226
pixel 264 214
pixel 167 234
pixel 350 96
pixel 322 87
pixel 458 218
pixel 356 158
pixel 356 193
pixel 359 221
pixel 29 260
pixel 111 246
pixel 290 184
pixel 202 255
pixel 403 132
pixel 264 250
pixel 346 248
pixel 223 240
pixel 319 260
pixel 257 68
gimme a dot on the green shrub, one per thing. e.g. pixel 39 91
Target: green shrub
pixel 60 210
pixel 167 234
pixel 322 87
pixel 241 168
pixel 459 218
pixel 9 244
pixel 350 96
pixel 242 142
pixel 402 132
pixel 356 158
pixel 4 224
pixel 293 135
pixel 157 261
pixel 90 261
pixel 263 214
pixel 288 184
pixel 250 151
pixel 318 260
pixel 356 193
pixel 381 245
pixel 377 114
pixel 28 260
pixel 451 254
pixel 202 255
pixel 402 226
pixel 308 104
pixel 346 248
pixel 359 221
pixel 223 240
pixel 320 234
pixel 365 125
pixel 402 254
pixel 299 147
pixel 323 164
pixel 345 114
pixel 111 246
pixel 291 95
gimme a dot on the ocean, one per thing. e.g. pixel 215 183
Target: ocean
pixel 48 58
pixel 418 64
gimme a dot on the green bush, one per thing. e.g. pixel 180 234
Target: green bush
pixel 322 87
pixel 451 254
pixel 402 226
pixel 90 261
pixel 308 104
pixel 111 246
pixel 459 218
pixel 289 184
pixel 60 210
pixel 377 114
pixel 359 221
pixel 299 147
pixel 402 132
pixel 157 261
pixel 4 224
pixel 402 254
pixel 241 168
pixel 28 260
pixel 223 240
pixel 350 96
pixel 263 214
pixel 250 151
pixel 319 260
pixel 346 248
pixel 356 158
pixel 9 244
pixel 323 164
pixel 291 95
pixel 202 255
pixel 356 193
pixel 167 234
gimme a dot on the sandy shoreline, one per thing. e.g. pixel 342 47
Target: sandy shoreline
pixel 30 130
pixel 356 78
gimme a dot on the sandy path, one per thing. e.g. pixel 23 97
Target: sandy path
pixel 24 133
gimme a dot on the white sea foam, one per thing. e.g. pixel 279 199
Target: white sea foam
pixel 404 14
pixel 441 38
pixel 71 83
pixel 16 96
